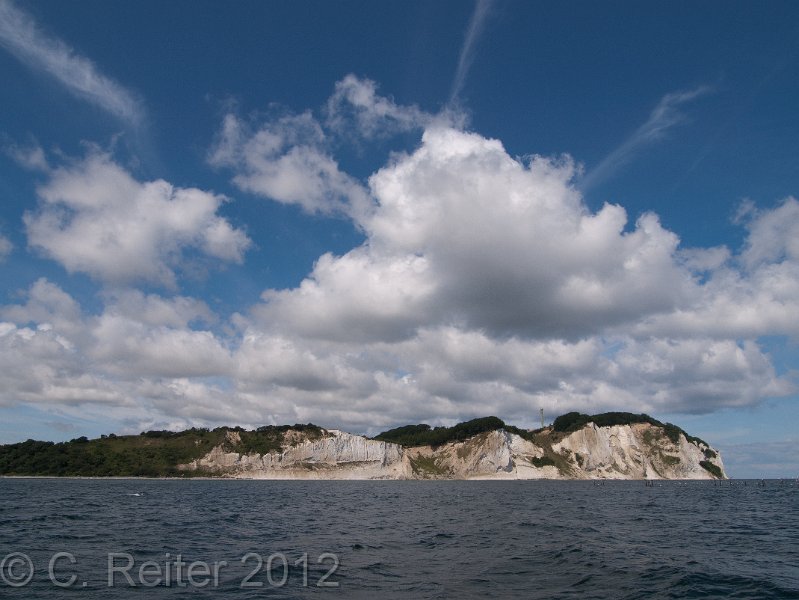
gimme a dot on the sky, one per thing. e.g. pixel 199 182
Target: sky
pixel 369 214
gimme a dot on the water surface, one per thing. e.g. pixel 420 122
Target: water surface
pixel 399 539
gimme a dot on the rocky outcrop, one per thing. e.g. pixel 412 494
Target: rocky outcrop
pixel 336 455
pixel 637 451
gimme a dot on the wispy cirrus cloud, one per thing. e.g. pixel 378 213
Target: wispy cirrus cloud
pixel 22 37
pixel 477 23
pixel 664 116
pixel 5 247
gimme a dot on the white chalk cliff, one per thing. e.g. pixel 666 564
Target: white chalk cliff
pixel 336 455
pixel 637 451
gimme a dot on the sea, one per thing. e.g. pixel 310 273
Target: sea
pixel 136 538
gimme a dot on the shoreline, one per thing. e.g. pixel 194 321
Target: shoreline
pixel 721 482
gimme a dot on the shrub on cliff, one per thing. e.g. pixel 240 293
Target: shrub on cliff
pixel 424 435
pixel 573 421
pixel 711 468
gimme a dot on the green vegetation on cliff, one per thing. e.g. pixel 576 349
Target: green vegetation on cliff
pixel 711 468
pixel 573 421
pixel 424 435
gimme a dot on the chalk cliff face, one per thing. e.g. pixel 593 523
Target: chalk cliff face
pixel 337 455
pixel 637 451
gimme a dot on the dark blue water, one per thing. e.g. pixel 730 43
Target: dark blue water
pixel 385 540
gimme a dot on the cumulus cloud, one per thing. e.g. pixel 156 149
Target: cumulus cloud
pixel 140 335
pixel 465 234
pixel 52 352
pixel 154 361
pixel 40 365
pixel 97 219
pixel 285 160
pixel 20 35
pixel 289 158
pixel 697 375
pixel 773 235
pixel 128 348
pixel 356 108
pixel 750 295
pixel 145 361
pixel 157 311
pixel 281 362
pixel 485 285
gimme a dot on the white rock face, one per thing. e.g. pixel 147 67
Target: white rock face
pixel 486 455
pixel 338 455
pixel 639 451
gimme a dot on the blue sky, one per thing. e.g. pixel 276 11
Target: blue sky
pixel 369 214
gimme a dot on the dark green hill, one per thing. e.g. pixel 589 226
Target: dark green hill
pixel 150 454
pixel 424 435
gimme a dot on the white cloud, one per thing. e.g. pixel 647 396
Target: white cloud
pixel 485 285
pixel 47 304
pixel 288 158
pixel 128 348
pixel 465 234
pixel 773 235
pixel 97 219
pixel 21 36
pixel 151 360
pixel 357 297
pixel 698 375
pixel 466 56
pixel 753 294
pixel 141 335
pixel 663 117
pixel 735 305
pixel 40 365
pixel 156 311
pixel 31 157
pixel 285 161
pixel 133 354
pixel 355 108
pixel 275 361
